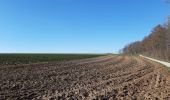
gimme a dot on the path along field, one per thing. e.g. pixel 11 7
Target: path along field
pixel 159 61
pixel 102 78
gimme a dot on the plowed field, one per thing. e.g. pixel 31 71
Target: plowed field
pixel 102 78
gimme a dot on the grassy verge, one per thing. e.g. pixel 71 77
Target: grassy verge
pixel 13 59
pixel 167 68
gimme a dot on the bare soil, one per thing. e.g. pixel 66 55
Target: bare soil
pixel 102 78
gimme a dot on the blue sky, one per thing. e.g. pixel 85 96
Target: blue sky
pixel 76 26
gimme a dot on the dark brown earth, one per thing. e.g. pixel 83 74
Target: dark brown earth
pixel 102 78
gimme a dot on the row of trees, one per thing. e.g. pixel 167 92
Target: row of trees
pixel 157 44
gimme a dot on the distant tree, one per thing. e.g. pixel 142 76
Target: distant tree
pixel 157 44
pixel 168 38
pixel 133 48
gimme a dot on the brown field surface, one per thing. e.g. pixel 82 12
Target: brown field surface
pixel 102 78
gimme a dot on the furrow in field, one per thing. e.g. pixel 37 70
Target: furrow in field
pixel 109 77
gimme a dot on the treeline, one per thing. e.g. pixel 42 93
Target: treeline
pixel 156 45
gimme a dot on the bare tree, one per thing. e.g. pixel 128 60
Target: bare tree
pixel 157 44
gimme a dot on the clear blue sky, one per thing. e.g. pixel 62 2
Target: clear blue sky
pixel 76 26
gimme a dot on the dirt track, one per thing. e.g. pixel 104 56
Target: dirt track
pixel 103 78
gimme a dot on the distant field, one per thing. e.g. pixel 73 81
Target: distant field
pixel 13 59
